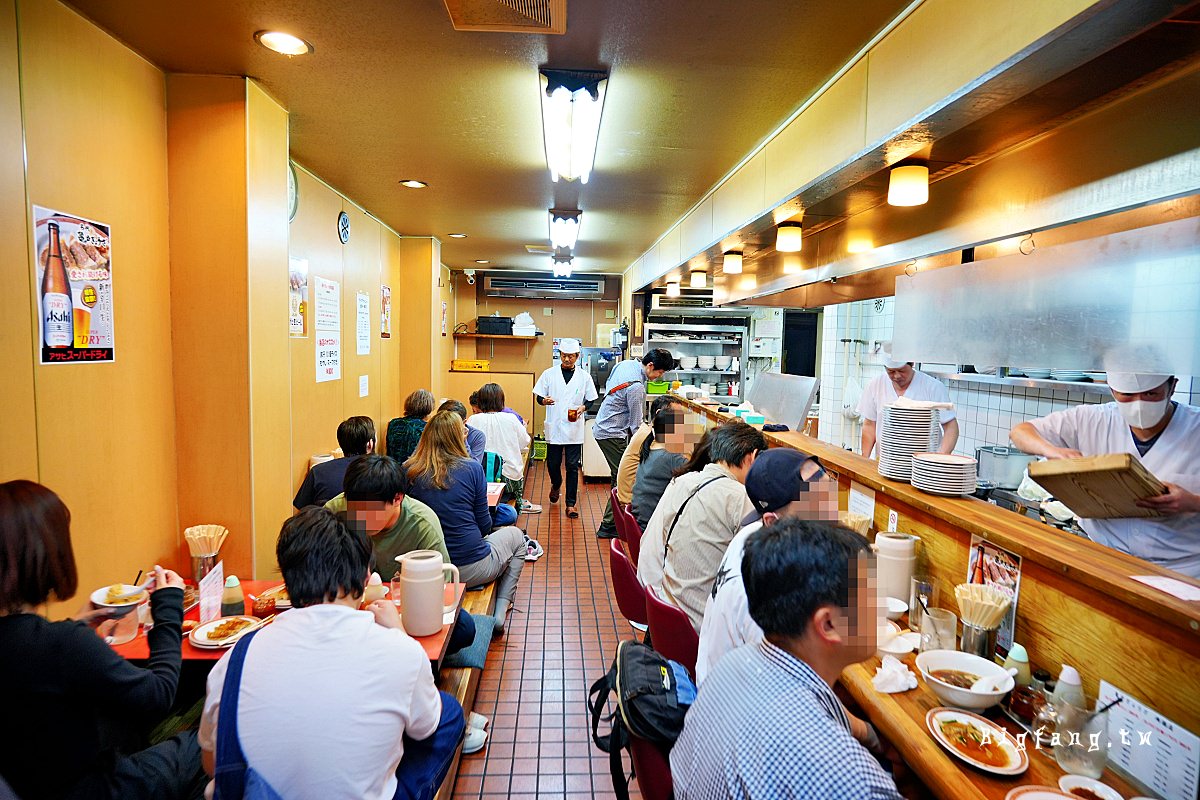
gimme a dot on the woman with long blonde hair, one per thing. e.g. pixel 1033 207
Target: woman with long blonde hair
pixel 444 477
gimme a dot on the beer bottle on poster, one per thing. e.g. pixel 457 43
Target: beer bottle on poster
pixel 57 325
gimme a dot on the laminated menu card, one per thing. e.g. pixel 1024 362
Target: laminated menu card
pixel 211 586
pixel 1150 748
pixel 992 565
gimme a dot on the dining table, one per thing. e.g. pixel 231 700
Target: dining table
pixel 434 645
pixel 494 490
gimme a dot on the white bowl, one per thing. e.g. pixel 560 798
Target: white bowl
pixel 99 596
pixel 1069 782
pixel 687 362
pixel 932 660
pixel 705 362
pixel 723 362
pixel 895 608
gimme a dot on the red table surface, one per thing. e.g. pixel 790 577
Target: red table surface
pixel 435 644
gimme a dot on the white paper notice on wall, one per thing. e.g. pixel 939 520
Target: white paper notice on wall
pixel 327 314
pixel 862 500
pixel 1156 751
pixel 329 355
pixel 362 324
pixel 362 386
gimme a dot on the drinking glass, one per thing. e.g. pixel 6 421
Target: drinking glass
pixel 1082 747
pixel 923 586
pixel 395 589
pixel 939 630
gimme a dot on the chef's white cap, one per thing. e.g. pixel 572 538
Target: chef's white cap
pixel 888 361
pixel 1135 382
pixel 568 346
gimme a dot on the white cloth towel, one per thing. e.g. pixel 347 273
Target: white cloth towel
pixel 893 677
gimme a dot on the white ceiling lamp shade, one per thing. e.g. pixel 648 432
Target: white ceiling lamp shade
pixel 564 227
pixel 283 43
pixel 731 264
pixel 698 279
pixel 908 185
pixel 789 237
pixel 562 264
pixel 572 101
pixel 672 288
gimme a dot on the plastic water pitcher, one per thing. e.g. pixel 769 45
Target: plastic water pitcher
pixel 422 590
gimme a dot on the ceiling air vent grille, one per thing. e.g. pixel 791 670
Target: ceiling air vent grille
pixel 576 288
pixel 508 16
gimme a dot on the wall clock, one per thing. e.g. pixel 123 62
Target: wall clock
pixel 293 192
pixel 344 227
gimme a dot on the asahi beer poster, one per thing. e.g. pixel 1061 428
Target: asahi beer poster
pixel 298 297
pixel 72 271
pixel 385 312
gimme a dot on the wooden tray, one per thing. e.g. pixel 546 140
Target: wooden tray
pixel 1099 487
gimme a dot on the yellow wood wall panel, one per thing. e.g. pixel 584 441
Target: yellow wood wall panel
pixel 270 376
pixel 360 268
pixel 391 350
pixel 517 386
pixel 105 432
pixel 443 343
pixel 420 263
pixel 18 430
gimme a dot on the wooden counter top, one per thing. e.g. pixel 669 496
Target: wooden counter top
pixel 1078 604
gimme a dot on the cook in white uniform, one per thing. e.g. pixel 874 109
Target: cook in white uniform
pixel 902 380
pixel 1161 433
pixel 563 389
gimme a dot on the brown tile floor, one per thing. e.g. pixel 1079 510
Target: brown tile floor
pixel 560 638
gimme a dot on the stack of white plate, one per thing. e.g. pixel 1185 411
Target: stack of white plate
pixel 942 474
pixel 1036 372
pixel 1067 374
pixel 902 432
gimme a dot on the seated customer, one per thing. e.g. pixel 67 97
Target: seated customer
pixel 664 453
pixel 476 439
pixel 631 459
pixel 766 722
pixel 333 702
pixel 506 437
pixel 70 700
pixel 442 476
pixel 699 514
pixel 403 433
pixel 356 437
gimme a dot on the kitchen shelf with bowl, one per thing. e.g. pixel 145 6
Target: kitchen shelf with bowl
pixel 705 353
pixel 1083 387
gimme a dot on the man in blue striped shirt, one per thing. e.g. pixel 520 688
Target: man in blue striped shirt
pixel 622 411
pixel 766 722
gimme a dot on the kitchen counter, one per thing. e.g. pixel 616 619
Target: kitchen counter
pixel 1078 601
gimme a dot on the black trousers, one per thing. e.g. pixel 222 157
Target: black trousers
pixel 554 457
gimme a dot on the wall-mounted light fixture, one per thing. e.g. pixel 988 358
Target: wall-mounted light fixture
pixel 672 288
pixel 564 227
pixel 572 101
pixel 789 237
pixel 731 264
pixel 698 279
pixel 908 185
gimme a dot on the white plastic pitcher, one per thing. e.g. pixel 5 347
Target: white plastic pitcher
pixel 422 589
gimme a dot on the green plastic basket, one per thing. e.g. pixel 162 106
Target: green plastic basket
pixel 539 450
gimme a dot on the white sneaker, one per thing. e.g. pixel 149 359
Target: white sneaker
pixel 533 550
pixel 474 741
pixel 477 721
pixel 529 508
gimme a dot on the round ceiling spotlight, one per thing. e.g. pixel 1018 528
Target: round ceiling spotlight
pixel 283 43
pixel 458 235
pixel 413 184
pixel 482 261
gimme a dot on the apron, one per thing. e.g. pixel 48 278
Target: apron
pixel 581 390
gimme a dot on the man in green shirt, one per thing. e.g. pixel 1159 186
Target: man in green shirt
pixel 374 500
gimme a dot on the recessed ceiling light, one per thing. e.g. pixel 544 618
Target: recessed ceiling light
pixel 482 261
pixel 458 236
pixel 412 184
pixel 283 43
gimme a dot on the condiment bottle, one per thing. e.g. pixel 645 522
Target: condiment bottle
pixel 1019 659
pixel 1040 676
pixel 1069 687
pixel 233 604
pixel 373 590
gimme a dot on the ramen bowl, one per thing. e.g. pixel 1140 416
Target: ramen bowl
pixel 950 664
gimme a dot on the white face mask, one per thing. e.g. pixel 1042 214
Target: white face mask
pixel 1144 413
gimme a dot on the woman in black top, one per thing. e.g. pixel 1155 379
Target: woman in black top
pixel 69 698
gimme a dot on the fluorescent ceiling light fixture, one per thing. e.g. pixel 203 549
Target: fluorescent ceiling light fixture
pixel 283 43
pixel 413 184
pixel 482 261
pixel 562 270
pixel 672 288
pixel 572 101
pixel 564 228
pixel 732 263
pixel 789 237
pixel 458 235
pixel 698 279
pixel 908 185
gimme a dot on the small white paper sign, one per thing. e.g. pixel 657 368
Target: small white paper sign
pixel 362 386
pixel 362 326
pixel 862 501
pixel 1156 751
pixel 211 586
pixel 893 520
pixel 329 356
pixel 328 313
pixel 1177 588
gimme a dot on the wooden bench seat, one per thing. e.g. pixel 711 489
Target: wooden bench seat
pixel 463 683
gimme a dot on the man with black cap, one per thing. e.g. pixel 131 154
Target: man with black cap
pixel 1161 433
pixel 781 483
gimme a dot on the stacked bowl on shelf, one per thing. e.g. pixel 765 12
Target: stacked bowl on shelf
pixel 1068 374
pixel 705 362
pixel 901 433
pixel 939 473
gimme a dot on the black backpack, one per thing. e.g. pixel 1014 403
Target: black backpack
pixel 652 696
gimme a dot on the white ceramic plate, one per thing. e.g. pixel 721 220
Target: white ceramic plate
pixel 99 596
pixel 199 634
pixel 1069 782
pixel 1037 793
pixel 281 603
pixel 1018 759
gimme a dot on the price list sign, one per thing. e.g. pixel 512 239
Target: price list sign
pixel 1152 749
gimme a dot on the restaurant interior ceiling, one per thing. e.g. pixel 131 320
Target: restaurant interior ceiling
pixel 392 91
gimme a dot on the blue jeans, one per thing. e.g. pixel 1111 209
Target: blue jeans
pixel 503 515
pixel 463 634
pixel 426 762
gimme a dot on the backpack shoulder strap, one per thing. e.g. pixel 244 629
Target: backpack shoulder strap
pixel 679 513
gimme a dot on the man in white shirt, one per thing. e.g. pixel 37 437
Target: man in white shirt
pixel 901 380
pixel 335 703
pixel 1164 435
pixel 697 517
pixel 564 392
